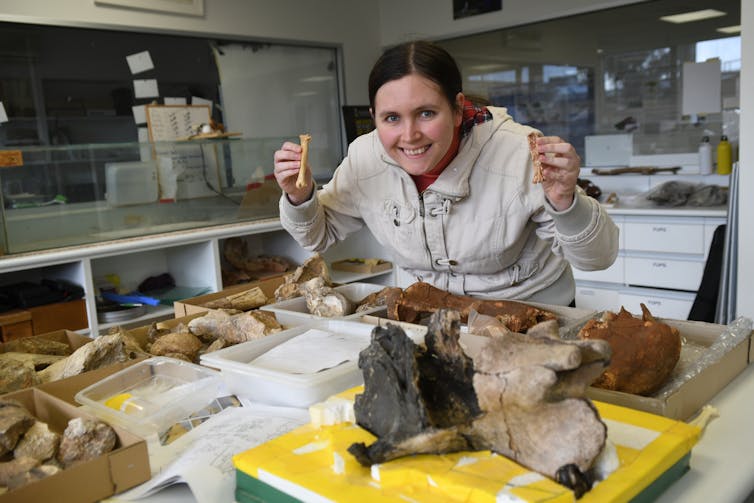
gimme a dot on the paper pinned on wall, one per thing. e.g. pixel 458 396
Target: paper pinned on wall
pixel 174 101
pixel 195 100
pixel 145 88
pixel 140 114
pixel 702 88
pixel 3 115
pixel 143 135
pixel 139 62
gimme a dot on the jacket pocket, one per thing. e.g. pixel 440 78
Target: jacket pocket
pixel 493 284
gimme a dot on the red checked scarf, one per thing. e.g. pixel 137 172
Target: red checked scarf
pixel 472 115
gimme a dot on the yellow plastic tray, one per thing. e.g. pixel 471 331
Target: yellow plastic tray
pixel 310 461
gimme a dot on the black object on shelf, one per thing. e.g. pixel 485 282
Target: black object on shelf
pixel 27 294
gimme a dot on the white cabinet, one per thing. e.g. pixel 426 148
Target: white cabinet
pixel 660 263
pixel 192 258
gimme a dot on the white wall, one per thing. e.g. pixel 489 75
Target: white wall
pixel 346 23
pixel 402 20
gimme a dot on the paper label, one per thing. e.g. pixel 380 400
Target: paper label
pixel 11 158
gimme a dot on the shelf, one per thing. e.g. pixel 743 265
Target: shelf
pixel 343 277
pixel 157 313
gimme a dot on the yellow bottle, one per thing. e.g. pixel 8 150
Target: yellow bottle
pixel 724 162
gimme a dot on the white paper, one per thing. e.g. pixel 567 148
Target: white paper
pixel 202 458
pixel 143 135
pixel 140 114
pixel 3 115
pixel 145 88
pixel 174 101
pixel 313 351
pixel 195 100
pixel 139 62
pixel 702 88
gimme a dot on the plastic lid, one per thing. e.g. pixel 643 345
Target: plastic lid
pixel 723 138
pixel 705 139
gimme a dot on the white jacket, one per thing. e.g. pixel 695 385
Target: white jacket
pixel 481 229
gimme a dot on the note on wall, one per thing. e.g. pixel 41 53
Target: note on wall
pixel 139 62
pixel 3 115
pixel 702 88
pixel 146 88
pixel 175 122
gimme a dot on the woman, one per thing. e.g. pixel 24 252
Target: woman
pixel 446 188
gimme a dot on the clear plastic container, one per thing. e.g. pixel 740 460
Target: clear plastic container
pixel 246 379
pixel 152 395
pixel 293 312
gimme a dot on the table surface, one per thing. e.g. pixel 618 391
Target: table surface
pixel 722 463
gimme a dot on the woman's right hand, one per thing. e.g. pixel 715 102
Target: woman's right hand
pixel 287 165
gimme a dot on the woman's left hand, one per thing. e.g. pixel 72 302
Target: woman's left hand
pixel 560 167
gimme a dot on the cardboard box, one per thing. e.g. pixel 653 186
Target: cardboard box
pixel 697 391
pixel 194 304
pixel 73 339
pixel 123 468
pixel 361 265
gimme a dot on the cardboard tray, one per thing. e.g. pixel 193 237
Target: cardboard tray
pixel 73 339
pixel 697 391
pixel 360 265
pixel 194 304
pixel 123 468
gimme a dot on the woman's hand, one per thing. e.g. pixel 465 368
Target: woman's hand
pixel 287 165
pixel 560 167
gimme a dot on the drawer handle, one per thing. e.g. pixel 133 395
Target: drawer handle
pixel 654 302
pixel 659 264
pixel 659 229
pixel 586 292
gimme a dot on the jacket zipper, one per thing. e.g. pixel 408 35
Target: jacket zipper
pixel 424 231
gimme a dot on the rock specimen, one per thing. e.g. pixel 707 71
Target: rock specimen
pixel 103 350
pixel 323 300
pixel 14 421
pixel 423 299
pixel 15 375
pixel 85 439
pixel 37 345
pixel 645 351
pixel 378 298
pixel 183 342
pixel 522 396
pixel 234 328
pixel 39 442
pixel 314 266
pixel 236 252
pixel 243 301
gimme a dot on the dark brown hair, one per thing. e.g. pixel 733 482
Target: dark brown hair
pixel 422 58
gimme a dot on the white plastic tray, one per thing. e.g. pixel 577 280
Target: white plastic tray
pixel 152 395
pixel 245 379
pixel 293 312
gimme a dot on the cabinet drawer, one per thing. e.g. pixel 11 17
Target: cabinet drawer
pixel 664 273
pixel 664 237
pixel 613 274
pixel 599 299
pixel 676 307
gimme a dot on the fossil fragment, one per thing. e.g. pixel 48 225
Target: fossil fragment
pixel 314 266
pixel 37 345
pixel 422 299
pixel 323 300
pixel 243 301
pixel 15 375
pixel 522 396
pixel 103 350
pixel 85 439
pixel 14 421
pixel 39 442
pixel 183 342
pixel 378 298
pixel 645 351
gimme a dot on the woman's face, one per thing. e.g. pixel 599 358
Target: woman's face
pixel 415 122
